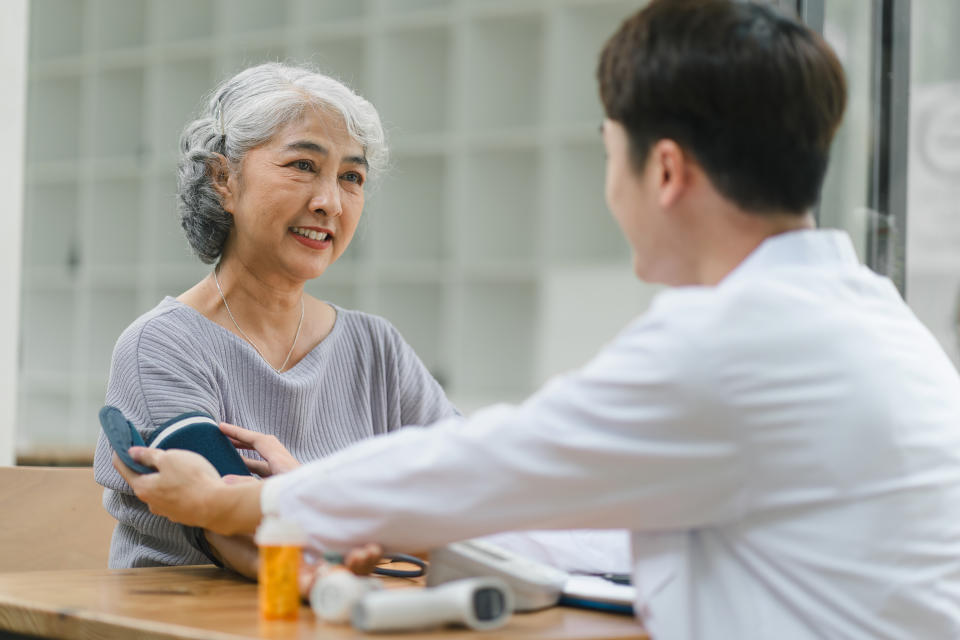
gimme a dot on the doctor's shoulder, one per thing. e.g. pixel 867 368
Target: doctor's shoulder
pixel 697 332
pixel 673 333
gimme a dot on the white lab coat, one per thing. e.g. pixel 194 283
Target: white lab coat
pixel 785 448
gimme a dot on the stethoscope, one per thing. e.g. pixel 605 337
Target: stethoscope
pixel 402 573
pixel 337 558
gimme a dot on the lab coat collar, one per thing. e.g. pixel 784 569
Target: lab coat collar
pixel 807 247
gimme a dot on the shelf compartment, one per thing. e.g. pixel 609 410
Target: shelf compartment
pixel 44 420
pixel 579 228
pixel 500 208
pixel 406 216
pixel 569 335
pixel 345 268
pixel 54 113
pixel 179 20
pixel 503 8
pixel 417 311
pixel 111 311
pixel 323 12
pixel 496 348
pixel 118 128
pixel 183 85
pixel 168 244
pixel 391 7
pixel 112 233
pixel 412 96
pixel 172 280
pixel 341 294
pixel 503 62
pixel 119 24
pixel 46 321
pixel 242 16
pixel 242 57
pixel 56 29
pixel 341 58
pixel 581 34
pixel 50 226
pixel 359 247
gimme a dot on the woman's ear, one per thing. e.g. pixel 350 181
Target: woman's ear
pixel 222 180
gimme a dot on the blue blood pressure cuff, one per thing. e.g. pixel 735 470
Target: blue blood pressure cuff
pixel 192 431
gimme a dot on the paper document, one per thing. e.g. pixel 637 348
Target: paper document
pixel 594 592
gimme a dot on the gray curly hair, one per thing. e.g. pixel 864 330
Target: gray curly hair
pixel 245 112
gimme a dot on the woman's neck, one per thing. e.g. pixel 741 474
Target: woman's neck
pixel 251 294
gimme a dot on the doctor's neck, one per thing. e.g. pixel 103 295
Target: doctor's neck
pixel 733 233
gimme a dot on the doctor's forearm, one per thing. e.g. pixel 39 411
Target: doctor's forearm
pixel 417 489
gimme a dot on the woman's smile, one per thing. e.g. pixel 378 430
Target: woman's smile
pixel 314 237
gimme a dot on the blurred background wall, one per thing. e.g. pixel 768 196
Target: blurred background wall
pixel 13 53
pixel 487 244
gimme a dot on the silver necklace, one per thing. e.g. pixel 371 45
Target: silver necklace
pixel 244 334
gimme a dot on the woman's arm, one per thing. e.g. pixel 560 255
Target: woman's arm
pixel 237 553
pixel 155 374
pixel 422 400
pixel 187 489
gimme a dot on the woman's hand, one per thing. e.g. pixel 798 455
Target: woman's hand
pixel 187 489
pixel 180 490
pixel 276 458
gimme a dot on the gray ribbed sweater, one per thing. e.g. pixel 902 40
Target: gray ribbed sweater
pixel 362 380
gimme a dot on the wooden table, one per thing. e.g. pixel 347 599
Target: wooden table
pixel 212 604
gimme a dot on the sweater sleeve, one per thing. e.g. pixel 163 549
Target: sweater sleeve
pixel 154 375
pixel 422 400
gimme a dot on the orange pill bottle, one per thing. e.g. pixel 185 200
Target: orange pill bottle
pixel 280 544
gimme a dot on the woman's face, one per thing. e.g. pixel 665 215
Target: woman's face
pixel 296 199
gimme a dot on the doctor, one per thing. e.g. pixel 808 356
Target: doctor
pixel 779 431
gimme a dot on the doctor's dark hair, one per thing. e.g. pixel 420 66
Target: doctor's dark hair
pixel 245 112
pixel 752 94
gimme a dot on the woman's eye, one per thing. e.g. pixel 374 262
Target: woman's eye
pixel 303 165
pixel 353 176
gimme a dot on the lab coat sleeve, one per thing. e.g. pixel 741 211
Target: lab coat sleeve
pixel 631 441
pixel 572 550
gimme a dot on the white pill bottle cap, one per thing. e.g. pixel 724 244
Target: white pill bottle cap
pixel 277 532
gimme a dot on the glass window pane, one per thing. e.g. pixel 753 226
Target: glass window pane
pixel 933 194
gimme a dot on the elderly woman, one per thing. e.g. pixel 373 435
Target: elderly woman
pixel 271 188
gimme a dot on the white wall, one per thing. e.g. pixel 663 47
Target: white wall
pixel 604 298
pixel 13 62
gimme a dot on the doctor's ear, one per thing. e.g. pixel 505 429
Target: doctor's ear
pixel 672 170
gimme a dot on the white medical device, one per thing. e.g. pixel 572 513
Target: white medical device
pixel 478 603
pixel 534 585
pixel 335 594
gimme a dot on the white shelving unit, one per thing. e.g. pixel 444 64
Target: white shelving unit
pixel 495 190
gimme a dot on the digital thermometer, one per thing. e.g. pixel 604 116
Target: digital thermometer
pixel 478 603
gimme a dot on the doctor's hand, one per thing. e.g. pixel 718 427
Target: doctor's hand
pixel 360 560
pixel 181 489
pixel 276 458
